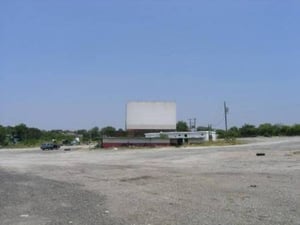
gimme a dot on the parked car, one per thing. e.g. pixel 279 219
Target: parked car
pixel 49 146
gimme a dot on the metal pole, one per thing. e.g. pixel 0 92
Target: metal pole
pixel 225 112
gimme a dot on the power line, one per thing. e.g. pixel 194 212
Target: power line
pixel 218 123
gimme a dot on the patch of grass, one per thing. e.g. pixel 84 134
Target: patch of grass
pixel 21 145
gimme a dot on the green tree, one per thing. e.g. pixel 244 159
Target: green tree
pixel 85 135
pixel 266 130
pixel 2 135
pixel 21 131
pixel 108 131
pixel 295 130
pixel 34 134
pixel 220 133
pixel 121 133
pixel 94 134
pixel 234 132
pixel 283 130
pixel 276 129
pixel 182 126
pixel 248 130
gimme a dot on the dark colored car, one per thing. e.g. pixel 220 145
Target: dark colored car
pixel 49 146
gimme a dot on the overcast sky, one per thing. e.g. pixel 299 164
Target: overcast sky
pixel 75 64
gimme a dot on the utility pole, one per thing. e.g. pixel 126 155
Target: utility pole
pixel 209 132
pixel 90 141
pixel 226 110
pixel 192 124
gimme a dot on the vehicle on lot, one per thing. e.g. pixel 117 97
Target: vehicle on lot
pixel 49 146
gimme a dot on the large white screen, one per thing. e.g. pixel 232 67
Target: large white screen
pixel 151 115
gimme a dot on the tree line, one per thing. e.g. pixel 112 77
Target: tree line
pixel 249 130
pixel 29 136
pixel 21 134
pixel 266 130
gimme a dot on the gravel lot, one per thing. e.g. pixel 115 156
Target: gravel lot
pixel 208 185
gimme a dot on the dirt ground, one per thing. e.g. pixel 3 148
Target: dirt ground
pixel 199 185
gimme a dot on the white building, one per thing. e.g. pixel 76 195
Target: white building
pixel 189 137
